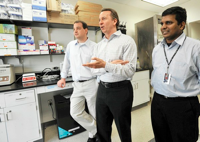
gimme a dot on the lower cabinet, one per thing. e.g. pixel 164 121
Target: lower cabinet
pixel 141 88
pixel 20 114
pixel 3 134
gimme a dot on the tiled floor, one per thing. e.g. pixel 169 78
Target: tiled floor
pixel 141 129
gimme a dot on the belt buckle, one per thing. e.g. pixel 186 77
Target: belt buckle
pixel 166 97
pixel 106 85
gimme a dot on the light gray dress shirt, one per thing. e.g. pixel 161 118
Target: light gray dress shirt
pixel 184 68
pixel 118 47
pixel 77 54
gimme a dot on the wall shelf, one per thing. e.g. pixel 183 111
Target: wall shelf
pixel 41 24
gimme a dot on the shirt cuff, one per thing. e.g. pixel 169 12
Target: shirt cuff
pixel 108 67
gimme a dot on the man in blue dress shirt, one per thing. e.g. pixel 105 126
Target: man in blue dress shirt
pixel 115 62
pixel 85 85
pixel 176 81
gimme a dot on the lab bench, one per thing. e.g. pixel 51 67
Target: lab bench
pixel 21 104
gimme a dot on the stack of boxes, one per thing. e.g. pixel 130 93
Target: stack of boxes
pixel 8 44
pixel 43 45
pixel 26 43
pixel 54 14
pixel 88 12
pixel 39 10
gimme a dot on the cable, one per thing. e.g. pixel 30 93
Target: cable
pixel 52 111
pixel 18 79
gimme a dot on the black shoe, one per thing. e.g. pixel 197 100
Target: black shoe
pixel 97 138
pixel 91 140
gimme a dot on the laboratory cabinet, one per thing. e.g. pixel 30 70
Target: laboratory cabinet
pixel 141 88
pixel 19 117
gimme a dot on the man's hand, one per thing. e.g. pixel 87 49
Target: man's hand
pixel 119 62
pixel 99 63
pixel 61 83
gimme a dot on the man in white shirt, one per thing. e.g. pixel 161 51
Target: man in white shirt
pixel 115 62
pixel 85 85
pixel 176 81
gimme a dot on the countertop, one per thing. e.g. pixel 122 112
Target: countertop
pixel 19 85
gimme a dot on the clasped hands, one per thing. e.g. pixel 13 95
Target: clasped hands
pixel 99 63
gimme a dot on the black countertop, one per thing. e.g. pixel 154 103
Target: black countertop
pixel 19 85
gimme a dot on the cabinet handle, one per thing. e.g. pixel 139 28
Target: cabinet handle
pixel 1 117
pixel 9 115
pixel 21 98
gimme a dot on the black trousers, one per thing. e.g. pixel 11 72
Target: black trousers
pixel 175 119
pixel 114 103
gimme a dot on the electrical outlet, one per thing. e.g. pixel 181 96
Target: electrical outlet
pixel 50 102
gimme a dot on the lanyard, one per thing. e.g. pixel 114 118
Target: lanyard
pixel 169 62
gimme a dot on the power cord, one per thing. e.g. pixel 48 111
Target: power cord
pixel 51 105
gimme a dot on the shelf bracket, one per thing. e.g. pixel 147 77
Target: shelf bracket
pixel 98 29
pixel 50 57
pixel 2 60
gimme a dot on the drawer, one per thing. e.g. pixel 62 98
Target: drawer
pixel 141 75
pixel 20 97
pixel 2 102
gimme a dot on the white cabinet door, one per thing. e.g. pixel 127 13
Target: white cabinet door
pixel 22 123
pixel 3 134
pixel 141 91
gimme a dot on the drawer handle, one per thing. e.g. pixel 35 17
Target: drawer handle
pixel 1 117
pixel 9 115
pixel 21 98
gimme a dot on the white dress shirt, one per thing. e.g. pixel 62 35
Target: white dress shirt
pixel 77 54
pixel 184 68
pixel 118 47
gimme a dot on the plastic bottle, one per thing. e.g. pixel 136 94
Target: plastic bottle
pixel 138 63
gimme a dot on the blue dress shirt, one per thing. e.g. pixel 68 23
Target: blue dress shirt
pixel 184 68
pixel 77 54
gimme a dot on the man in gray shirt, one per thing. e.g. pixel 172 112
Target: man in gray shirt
pixel 115 92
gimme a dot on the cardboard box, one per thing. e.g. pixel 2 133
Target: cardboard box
pixel 25 39
pixel 92 19
pixel 27 13
pixel 61 18
pixel 39 4
pixel 54 5
pixel 26 46
pixel 39 15
pixel 26 31
pixel 8 52
pixel 7 37
pixel 28 52
pixel 8 29
pixel 44 51
pixel 87 6
pixel 11 44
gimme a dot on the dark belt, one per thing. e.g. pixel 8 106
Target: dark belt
pixel 114 84
pixel 174 98
pixel 82 80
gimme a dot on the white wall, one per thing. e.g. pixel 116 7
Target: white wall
pixel 195 30
pixel 126 13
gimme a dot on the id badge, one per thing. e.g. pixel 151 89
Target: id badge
pixel 167 78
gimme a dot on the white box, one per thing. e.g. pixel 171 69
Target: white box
pixel 44 47
pixel 27 13
pixel 26 46
pixel 7 37
pixel 44 51
pixel 15 15
pixel 9 44
pixel 28 52
pixel 39 15
pixel 25 39
pixel 26 31
pixel 6 52
pixel 39 4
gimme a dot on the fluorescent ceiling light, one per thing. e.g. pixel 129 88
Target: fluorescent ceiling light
pixel 162 3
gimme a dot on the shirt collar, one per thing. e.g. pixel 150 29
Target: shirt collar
pixel 178 41
pixel 117 33
pixel 84 43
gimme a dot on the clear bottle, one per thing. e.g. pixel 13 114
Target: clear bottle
pixel 138 63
